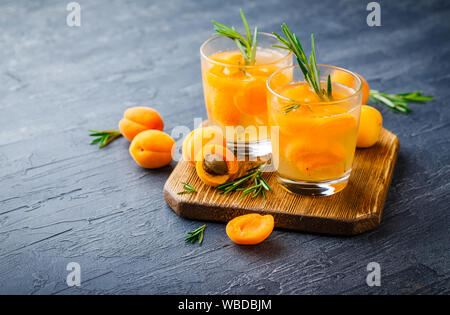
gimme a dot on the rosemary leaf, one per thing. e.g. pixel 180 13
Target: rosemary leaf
pixel 399 102
pixel 196 235
pixel 104 137
pixel 329 91
pixel 246 45
pixel 187 189
pixel 308 66
pixel 252 175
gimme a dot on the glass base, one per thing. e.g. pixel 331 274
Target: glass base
pixel 251 150
pixel 322 188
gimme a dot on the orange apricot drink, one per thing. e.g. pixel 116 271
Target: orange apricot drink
pixel 235 93
pixel 316 141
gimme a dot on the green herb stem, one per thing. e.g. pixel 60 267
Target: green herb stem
pixel 308 66
pixel 104 137
pixel 399 102
pixel 254 175
pixel 187 189
pixel 196 235
pixel 246 45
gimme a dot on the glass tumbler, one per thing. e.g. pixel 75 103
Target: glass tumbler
pixel 315 142
pixel 235 93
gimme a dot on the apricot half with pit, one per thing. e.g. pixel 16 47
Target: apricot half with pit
pixel 215 165
pixel 198 139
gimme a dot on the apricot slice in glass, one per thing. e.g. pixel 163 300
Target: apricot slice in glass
pixel 348 80
pixel 224 111
pixel 317 157
pixel 251 98
pixel 294 123
pixel 335 125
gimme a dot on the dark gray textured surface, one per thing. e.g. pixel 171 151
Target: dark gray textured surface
pixel 62 200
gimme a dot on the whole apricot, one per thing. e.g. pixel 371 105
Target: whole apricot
pixel 365 90
pixel 370 125
pixel 250 229
pixel 198 138
pixel 152 148
pixel 138 119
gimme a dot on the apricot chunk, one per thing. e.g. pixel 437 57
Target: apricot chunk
pixel 198 138
pixel 250 229
pixel 251 99
pixel 346 79
pixel 152 149
pixel 370 125
pixel 215 164
pixel 138 119
pixel 318 158
pixel 225 111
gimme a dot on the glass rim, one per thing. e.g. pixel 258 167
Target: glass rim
pixel 316 103
pixel 203 55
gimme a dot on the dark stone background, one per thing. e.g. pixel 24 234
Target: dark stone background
pixel 62 200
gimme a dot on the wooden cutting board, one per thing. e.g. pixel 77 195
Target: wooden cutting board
pixel 356 209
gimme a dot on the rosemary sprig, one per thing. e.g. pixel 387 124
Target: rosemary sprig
pixel 399 102
pixel 196 235
pixel 246 45
pixel 104 137
pixel 187 189
pixel 252 175
pixel 290 108
pixel 308 66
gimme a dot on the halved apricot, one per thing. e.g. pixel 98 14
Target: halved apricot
pixel 335 125
pixel 228 57
pixel 250 229
pixel 295 123
pixel 251 99
pixel 198 138
pixel 316 157
pixel 215 164
pixel 224 111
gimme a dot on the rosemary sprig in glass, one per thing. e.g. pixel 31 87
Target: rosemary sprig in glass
pixel 104 137
pixel 252 175
pixel 399 102
pixel 246 45
pixel 196 235
pixel 290 108
pixel 308 66
pixel 187 189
